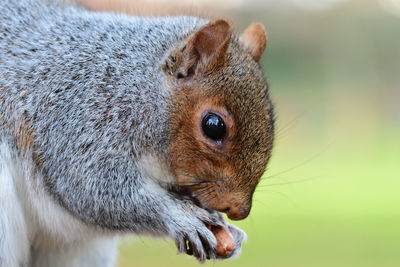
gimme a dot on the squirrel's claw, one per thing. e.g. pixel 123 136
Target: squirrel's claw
pixel 195 238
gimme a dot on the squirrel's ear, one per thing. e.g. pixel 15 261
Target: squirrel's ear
pixel 205 51
pixel 254 39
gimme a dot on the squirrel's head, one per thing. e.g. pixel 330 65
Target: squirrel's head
pixel 221 121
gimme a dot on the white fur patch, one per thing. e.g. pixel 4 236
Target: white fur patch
pixel 32 222
pixel 14 245
pixel 154 169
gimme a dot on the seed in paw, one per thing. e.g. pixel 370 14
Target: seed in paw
pixel 225 241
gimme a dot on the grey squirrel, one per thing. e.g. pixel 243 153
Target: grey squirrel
pixel 112 124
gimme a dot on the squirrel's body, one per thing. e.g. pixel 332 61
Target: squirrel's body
pixel 45 52
pixel 85 135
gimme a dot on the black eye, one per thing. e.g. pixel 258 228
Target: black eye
pixel 213 127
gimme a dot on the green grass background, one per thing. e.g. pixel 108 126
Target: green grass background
pixel 331 192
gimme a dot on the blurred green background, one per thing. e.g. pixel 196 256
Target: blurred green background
pixel 331 193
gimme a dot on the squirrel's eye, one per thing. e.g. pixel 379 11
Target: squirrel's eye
pixel 213 127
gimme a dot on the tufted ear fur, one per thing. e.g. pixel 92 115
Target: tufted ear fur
pixel 205 51
pixel 254 39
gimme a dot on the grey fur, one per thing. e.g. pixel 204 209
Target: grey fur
pixel 91 89
pixel 91 86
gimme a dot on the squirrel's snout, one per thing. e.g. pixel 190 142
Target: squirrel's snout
pixel 234 210
pixel 238 212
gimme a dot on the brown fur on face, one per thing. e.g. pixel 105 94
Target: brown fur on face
pixel 222 176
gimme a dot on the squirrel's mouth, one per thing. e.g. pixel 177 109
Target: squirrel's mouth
pixel 186 193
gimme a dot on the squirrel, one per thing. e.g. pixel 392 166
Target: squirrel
pixel 113 124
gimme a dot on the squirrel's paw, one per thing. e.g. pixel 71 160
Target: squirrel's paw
pixel 192 235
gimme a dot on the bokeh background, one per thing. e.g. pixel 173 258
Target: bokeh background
pixel 331 192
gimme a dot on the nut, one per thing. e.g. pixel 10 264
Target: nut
pixel 225 241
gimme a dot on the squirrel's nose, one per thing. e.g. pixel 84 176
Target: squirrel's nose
pixel 235 211
pixel 238 212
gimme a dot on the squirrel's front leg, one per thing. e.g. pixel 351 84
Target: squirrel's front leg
pixel 191 234
pixel 187 224
pixel 182 220
pixel 205 246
